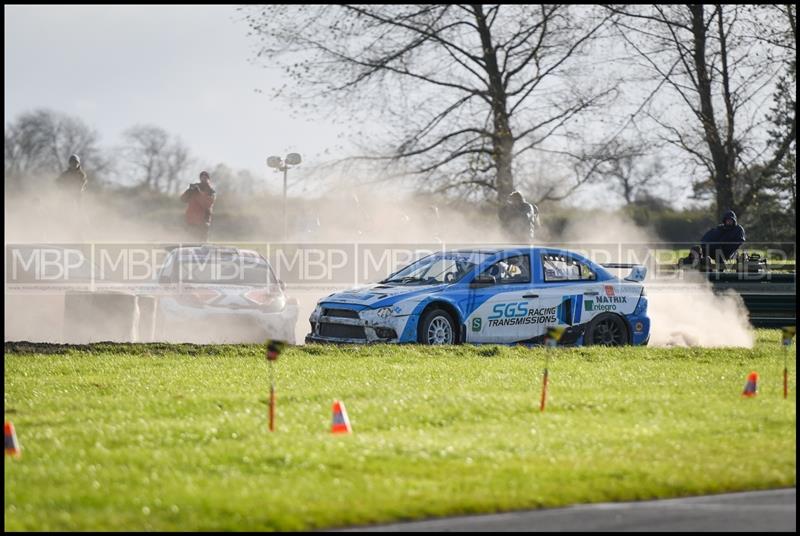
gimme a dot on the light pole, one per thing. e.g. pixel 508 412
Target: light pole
pixel 278 164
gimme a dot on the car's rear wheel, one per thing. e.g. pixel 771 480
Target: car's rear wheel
pixel 437 327
pixel 607 329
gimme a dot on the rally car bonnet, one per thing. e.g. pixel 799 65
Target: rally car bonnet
pixel 369 296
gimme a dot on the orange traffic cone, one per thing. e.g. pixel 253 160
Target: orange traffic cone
pixel 12 445
pixel 751 387
pixel 341 424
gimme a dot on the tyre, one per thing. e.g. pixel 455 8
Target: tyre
pixel 607 329
pixel 437 327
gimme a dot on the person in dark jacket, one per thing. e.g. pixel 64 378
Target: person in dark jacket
pixel 199 198
pixel 723 241
pixel 73 181
pixel 519 218
pixel 719 243
pixel 71 185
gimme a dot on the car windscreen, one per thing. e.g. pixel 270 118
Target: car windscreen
pixel 236 271
pixel 438 268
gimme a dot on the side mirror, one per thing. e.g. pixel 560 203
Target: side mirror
pixel 483 280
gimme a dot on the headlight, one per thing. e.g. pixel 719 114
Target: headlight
pixel 384 312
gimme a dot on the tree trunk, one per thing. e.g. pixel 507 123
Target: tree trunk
pixel 626 184
pixel 502 138
pixel 503 158
pixel 725 199
pixel 723 179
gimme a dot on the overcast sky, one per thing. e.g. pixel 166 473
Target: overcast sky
pixel 184 68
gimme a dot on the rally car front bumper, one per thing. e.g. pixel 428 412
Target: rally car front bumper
pixel 355 329
pixel 209 325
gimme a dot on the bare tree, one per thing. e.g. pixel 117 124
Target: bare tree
pixel 630 169
pixel 240 181
pixel 472 90
pixel 720 62
pixel 145 148
pixel 176 162
pixel 39 143
pixel 223 176
pixel 156 159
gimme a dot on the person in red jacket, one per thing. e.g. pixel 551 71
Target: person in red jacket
pixel 200 198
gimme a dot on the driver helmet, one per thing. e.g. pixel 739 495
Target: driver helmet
pixel 513 268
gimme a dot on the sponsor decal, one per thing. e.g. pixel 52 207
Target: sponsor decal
pixel 518 313
pixel 509 310
pixel 609 290
pixel 476 324
pixel 604 303
pixel 613 299
pixel 569 312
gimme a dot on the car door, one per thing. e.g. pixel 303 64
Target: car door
pixel 503 312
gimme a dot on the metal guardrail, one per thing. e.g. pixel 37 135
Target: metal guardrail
pixel 770 297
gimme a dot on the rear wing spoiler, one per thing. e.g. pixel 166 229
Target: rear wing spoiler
pixel 637 273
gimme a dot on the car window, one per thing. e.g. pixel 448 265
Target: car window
pixel 563 268
pixel 511 270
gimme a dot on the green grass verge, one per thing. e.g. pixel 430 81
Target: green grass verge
pixel 160 437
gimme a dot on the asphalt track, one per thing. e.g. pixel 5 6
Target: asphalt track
pixel 752 511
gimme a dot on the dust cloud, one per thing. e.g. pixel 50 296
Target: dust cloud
pixel 687 312
pixel 45 216
pixel 684 309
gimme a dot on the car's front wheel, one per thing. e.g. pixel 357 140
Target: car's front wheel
pixel 607 329
pixel 437 327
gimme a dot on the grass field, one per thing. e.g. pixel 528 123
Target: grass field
pixel 159 437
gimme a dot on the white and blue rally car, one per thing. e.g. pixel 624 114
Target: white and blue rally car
pixel 507 295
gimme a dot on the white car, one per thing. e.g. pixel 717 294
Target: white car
pixel 222 295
